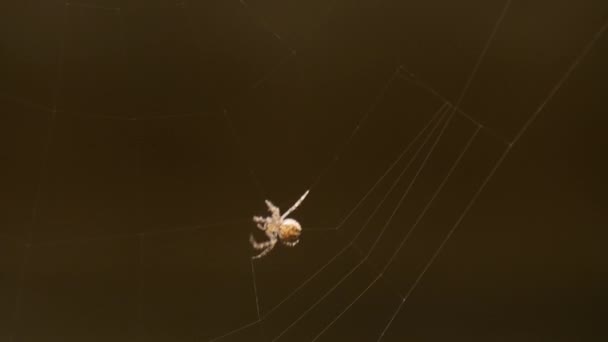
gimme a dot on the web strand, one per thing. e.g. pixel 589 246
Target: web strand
pixel 257 301
pixel 410 77
pixel 437 114
pixel 443 115
pixel 409 187
pixel 498 163
pixel 255 289
pixel 229 122
pixel 447 122
pixel 334 159
pixel 349 244
pixel 435 121
pixel 232 332
pixel 388 222
pixel 410 231
pixel 264 24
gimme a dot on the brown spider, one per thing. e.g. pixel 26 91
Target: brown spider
pixel 277 228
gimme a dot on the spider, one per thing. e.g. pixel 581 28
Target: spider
pixel 277 228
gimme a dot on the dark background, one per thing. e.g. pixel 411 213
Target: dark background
pixel 137 138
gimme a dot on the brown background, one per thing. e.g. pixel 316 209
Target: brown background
pixel 137 138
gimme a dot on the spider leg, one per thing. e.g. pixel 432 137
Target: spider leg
pixel 260 222
pixel 274 210
pixel 295 206
pixel 291 244
pixel 258 245
pixel 268 248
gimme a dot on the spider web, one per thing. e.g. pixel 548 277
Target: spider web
pixel 159 128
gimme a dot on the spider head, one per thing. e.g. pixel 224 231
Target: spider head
pixel 290 231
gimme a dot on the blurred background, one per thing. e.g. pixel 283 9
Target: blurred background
pixel 138 138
